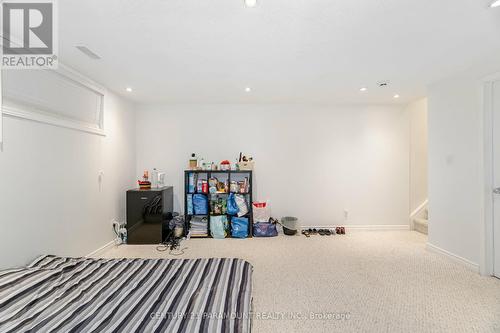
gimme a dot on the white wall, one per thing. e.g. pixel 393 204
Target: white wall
pixel 454 166
pixel 50 198
pixel 418 152
pixel 311 161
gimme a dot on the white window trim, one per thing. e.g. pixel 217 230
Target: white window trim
pixel 33 114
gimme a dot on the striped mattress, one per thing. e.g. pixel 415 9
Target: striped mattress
pixel 56 294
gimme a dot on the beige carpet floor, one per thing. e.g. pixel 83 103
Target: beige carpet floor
pixel 366 281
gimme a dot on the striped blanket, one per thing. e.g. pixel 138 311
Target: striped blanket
pixel 56 294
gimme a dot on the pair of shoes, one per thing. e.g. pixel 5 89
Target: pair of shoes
pixel 340 230
pixel 324 232
pixel 312 231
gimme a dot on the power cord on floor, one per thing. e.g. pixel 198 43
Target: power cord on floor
pixel 172 244
pixel 178 252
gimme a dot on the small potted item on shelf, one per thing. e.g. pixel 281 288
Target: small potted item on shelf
pixel 225 165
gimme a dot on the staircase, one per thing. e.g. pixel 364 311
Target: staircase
pixel 421 224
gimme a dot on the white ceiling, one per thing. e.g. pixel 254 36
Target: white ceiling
pixel 287 51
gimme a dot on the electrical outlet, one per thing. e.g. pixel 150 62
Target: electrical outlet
pixel 346 214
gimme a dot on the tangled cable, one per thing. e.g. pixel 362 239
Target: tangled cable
pixel 172 244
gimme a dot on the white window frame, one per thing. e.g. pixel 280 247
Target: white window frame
pixel 68 74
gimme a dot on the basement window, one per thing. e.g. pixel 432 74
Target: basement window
pixel 59 97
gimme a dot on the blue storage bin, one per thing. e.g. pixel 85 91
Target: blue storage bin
pixel 239 227
pixel 200 204
pixel 218 226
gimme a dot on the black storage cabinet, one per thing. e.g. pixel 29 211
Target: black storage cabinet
pixel 146 211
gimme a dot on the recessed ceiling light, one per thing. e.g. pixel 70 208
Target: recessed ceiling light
pixel 250 3
pixel 363 89
pixel 396 96
pixel 248 89
pixel 495 4
pixel 129 89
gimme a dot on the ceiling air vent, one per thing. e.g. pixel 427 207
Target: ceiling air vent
pixel 383 84
pixel 89 53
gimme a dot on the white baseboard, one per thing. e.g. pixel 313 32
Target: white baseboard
pixel 101 250
pixel 467 263
pixel 364 227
